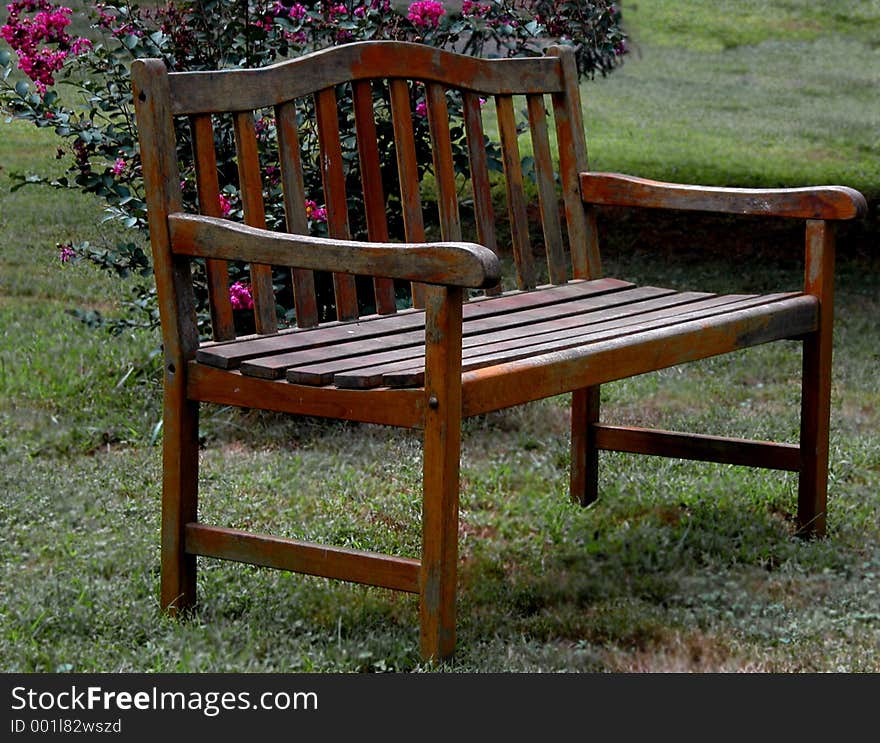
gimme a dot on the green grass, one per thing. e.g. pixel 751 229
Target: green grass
pixel 680 566
pixel 789 103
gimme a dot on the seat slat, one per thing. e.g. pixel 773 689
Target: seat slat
pixel 409 372
pixel 305 365
pixel 230 355
pixel 304 298
pixel 251 187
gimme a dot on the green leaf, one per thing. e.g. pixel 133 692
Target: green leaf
pixel 5 57
pixel 21 87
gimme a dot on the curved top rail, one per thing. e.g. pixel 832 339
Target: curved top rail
pixel 250 89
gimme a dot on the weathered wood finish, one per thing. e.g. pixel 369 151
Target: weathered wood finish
pixel 815 202
pixel 209 92
pixel 547 191
pixel 304 298
pixel 516 198
pixel 484 213
pixel 251 187
pixel 208 189
pixel 467 264
pixel 408 172
pixel 371 568
pixel 180 445
pixel 334 191
pixel 371 180
pixel 724 450
pixel 442 447
pixel 816 382
pixel 429 369
pixel 441 149
pixel 580 219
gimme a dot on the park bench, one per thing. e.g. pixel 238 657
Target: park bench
pixel 469 344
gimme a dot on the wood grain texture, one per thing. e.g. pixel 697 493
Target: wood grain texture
pixel 583 485
pixel 516 197
pixel 251 189
pixel 371 182
pixel 441 152
pixel 304 297
pixel 403 408
pixel 333 178
pixel 580 218
pixel 208 190
pixel 440 481
pixel 547 200
pixel 699 447
pixel 356 566
pixel 484 213
pixel 230 355
pixel 816 382
pixel 453 263
pixel 407 172
pixel 557 372
pixel 251 89
pixel 815 202
pixel 179 334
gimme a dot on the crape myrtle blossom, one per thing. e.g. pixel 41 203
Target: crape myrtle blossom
pixel 240 296
pixel 81 90
pixel 426 14
pixel 29 37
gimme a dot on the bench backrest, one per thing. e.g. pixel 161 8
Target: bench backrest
pixel 268 114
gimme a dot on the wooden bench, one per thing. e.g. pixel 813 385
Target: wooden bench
pixel 563 328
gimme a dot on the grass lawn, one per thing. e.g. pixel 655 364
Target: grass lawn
pixel 680 566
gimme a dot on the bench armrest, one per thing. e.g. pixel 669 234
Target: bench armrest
pixel 816 202
pixel 447 263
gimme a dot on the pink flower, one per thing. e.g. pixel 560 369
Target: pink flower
pixel 225 205
pixel 65 253
pixel 315 212
pixel 118 167
pixel 469 8
pixel 240 296
pixel 421 108
pixel 425 13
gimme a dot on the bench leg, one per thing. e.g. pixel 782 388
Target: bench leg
pixel 815 427
pixel 442 452
pixel 179 499
pixel 816 389
pixel 584 484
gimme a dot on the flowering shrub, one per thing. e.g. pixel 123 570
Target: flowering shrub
pixel 95 117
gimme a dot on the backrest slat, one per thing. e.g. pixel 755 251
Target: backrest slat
pixel 371 180
pixel 333 178
pixel 304 297
pixel 441 149
pixel 516 200
pixel 208 192
pixel 408 172
pixel 484 213
pixel 547 190
pixel 251 188
pixel 580 221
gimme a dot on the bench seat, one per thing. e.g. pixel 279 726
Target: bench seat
pixel 579 318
